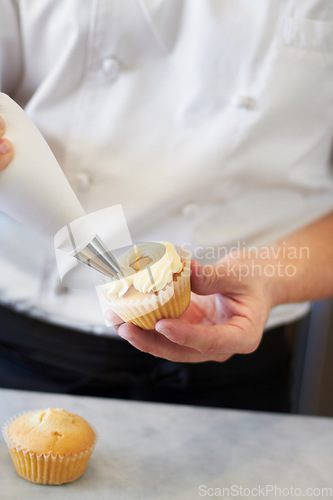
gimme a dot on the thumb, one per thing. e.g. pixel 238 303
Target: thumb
pixel 206 279
pixel 6 153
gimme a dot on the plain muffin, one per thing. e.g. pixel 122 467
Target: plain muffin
pixel 50 446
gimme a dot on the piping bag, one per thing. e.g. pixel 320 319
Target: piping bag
pixel 35 192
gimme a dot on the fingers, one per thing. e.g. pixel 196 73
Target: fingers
pixel 6 147
pixel 113 318
pixel 6 153
pixel 206 280
pixel 2 126
pixel 236 336
pixel 175 340
pixel 158 345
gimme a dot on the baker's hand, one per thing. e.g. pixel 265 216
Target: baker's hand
pixel 229 308
pixel 6 147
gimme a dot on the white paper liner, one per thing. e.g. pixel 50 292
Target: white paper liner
pixel 46 469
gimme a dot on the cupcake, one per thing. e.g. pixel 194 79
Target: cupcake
pixel 156 284
pixel 49 446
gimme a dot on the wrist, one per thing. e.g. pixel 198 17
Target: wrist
pixel 255 270
pixel 282 267
pixel 273 270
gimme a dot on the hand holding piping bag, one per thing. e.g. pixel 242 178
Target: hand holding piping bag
pixel 34 189
pixel 6 147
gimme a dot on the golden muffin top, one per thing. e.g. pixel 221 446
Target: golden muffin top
pixel 53 431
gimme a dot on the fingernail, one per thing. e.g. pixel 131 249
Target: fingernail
pixel 164 331
pixel 124 335
pixel 4 148
pixel 108 316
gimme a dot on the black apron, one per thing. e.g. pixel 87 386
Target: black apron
pixel 40 356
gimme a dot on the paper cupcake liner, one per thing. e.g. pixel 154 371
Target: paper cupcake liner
pixel 46 468
pixel 170 302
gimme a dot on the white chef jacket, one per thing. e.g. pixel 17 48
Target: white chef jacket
pixel 209 121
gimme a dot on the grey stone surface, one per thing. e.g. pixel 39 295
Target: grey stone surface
pixel 156 451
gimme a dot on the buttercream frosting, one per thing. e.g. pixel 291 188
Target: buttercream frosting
pixel 161 261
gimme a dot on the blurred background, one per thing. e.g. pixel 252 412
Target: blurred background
pixel 312 341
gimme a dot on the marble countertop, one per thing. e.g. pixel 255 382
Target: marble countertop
pixel 156 451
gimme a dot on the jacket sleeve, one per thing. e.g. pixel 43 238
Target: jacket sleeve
pixel 10 47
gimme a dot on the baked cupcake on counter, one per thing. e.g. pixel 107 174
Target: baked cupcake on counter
pixel 49 446
pixel 156 284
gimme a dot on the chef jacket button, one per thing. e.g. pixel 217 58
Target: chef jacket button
pixel 110 67
pixel 190 209
pixel 60 289
pixel 244 101
pixel 83 181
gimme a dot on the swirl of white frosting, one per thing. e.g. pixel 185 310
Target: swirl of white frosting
pixel 120 286
pixel 163 262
